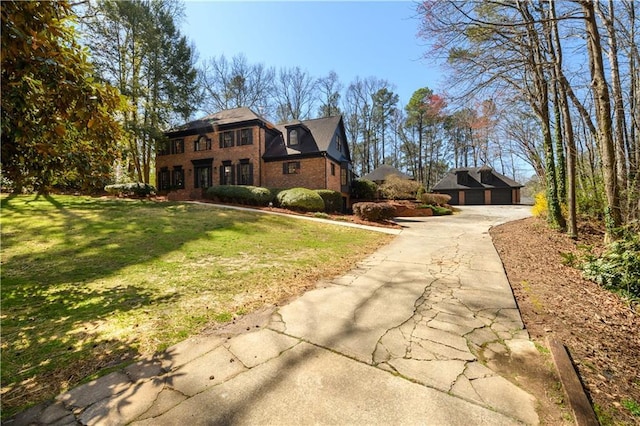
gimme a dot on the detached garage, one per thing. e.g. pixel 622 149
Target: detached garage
pixel 478 185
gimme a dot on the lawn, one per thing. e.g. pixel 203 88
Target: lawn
pixel 89 284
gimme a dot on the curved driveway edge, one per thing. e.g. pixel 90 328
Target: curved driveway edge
pixel 405 338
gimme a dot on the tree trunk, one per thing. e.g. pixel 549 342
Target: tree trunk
pixel 540 104
pixel 618 102
pixel 570 142
pixel 613 214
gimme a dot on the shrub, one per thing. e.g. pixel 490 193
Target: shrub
pixel 274 194
pixel 249 195
pixel 363 189
pixel 540 208
pixel 437 210
pixel 332 200
pixel 132 189
pixel 374 212
pixel 301 199
pixel 435 199
pixel 396 188
pixel 619 266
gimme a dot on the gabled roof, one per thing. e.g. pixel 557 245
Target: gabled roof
pixel 318 137
pixel 474 180
pixel 381 173
pixel 221 118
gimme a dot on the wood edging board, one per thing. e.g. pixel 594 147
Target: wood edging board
pixel 578 402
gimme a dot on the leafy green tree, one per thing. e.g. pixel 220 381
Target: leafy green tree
pixel 138 48
pixel 58 124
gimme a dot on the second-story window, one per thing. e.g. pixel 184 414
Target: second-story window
pixel 246 137
pixel 338 143
pixel 226 139
pixel 177 146
pixel 202 143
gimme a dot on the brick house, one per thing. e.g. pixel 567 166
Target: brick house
pixel 239 147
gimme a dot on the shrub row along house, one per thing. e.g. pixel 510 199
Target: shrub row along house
pixel 239 147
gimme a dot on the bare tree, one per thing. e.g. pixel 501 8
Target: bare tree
pixel 613 214
pixel 329 88
pixel 236 84
pixel 295 94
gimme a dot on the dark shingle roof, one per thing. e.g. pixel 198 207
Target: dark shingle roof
pixel 229 116
pixel 450 180
pixel 318 139
pixel 381 173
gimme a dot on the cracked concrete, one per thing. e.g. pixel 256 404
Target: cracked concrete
pixel 409 336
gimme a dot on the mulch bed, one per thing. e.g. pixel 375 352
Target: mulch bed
pixel 600 330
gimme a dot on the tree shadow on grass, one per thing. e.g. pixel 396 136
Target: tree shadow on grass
pixel 50 313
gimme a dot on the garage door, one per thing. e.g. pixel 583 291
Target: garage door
pixel 474 197
pixel 501 196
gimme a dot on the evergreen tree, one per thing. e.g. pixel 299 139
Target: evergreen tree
pixel 138 48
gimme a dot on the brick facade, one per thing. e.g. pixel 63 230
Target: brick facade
pixel 238 147
pixel 190 160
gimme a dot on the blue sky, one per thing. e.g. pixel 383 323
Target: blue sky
pixel 352 38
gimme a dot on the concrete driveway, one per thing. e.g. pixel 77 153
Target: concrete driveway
pixel 402 339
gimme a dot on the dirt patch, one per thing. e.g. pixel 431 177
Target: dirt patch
pixel 600 330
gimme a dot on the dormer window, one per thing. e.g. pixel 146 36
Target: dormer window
pixel 293 137
pixel 462 177
pixel 486 175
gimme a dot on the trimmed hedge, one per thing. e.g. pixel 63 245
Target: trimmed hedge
pixel 241 194
pixel 132 189
pixel 274 195
pixel 363 189
pixel 332 200
pixel 301 199
pixel 374 212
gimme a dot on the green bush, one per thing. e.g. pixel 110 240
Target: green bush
pixel 435 199
pixel 618 268
pixel 302 199
pixel 437 210
pixel 241 194
pixel 332 200
pixel 396 188
pixel 363 189
pixel 274 195
pixel 133 189
pixel 374 212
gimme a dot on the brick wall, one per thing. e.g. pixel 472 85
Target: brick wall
pixel 311 174
pixel 232 154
